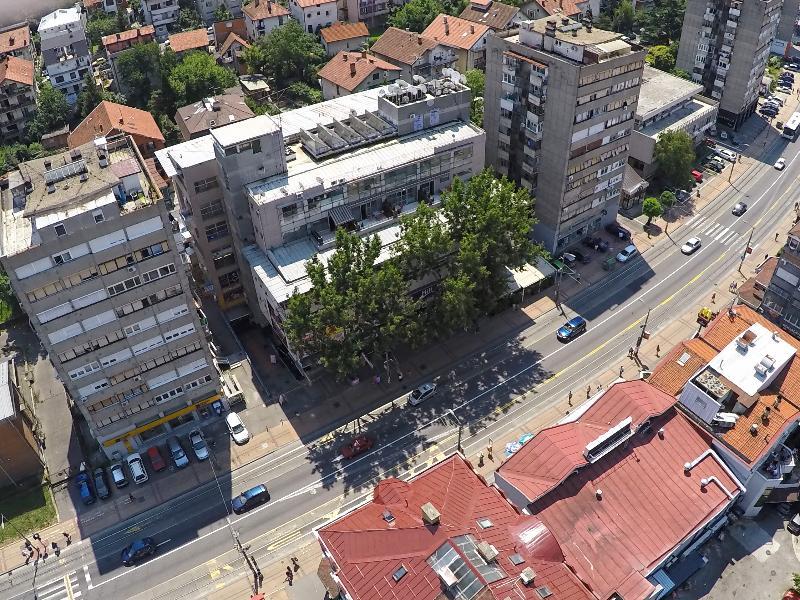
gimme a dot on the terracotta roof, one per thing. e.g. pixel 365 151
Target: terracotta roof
pixel 14 39
pixel 109 117
pixel 567 8
pixel 213 112
pixel 368 550
pixel 455 32
pixel 795 230
pixel 495 15
pixel 263 9
pixel 233 38
pixel 154 170
pixel 343 31
pixel 87 4
pixel 338 70
pixel 404 47
pixel 751 292
pixel 16 69
pixel 130 34
pixel 189 40
pixel 680 364
pixel 223 28
pixel 649 503
pixel 310 3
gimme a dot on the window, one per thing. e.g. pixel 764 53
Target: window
pixel 62 257
pixel 216 230
pixel 60 229
pixel 399 573
pixel 98 216
pixel 203 185
pixel 212 209
pixel 289 211
pixel 229 279
pixel 256 146
pixel 484 523
pixel 59 79
pixel 375 76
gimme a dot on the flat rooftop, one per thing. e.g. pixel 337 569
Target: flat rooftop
pixel 185 155
pixel 661 90
pixel 694 110
pixel 564 32
pixel 244 131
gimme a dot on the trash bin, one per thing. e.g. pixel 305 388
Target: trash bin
pixel 609 264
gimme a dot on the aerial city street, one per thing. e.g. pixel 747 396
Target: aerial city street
pixel 426 299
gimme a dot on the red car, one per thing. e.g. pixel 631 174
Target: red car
pixel 357 446
pixel 156 460
pixel 698 176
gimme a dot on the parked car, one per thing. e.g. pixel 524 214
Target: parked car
pixel 176 452
pixel 691 245
pixel 421 393
pixel 101 483
pixel 358 445
pixel 627 253
pixel 618 231
pixel 784 89
pixel 198 444
pixel 237 429
pixel 682 195
pixel 739 209
pixel 157 461
pixel 723 135
pixel 769 111
pixel 714 166
pixel 780 163
pixel 138 550
pixel 83 481
pixel 582 258
pixel 571 329
pixel 596 242
pixel 249 499
pixel 793 526
pixel 697 175
pixel 118 475
pixel 774 99
pixel 138 470
pixel 728 155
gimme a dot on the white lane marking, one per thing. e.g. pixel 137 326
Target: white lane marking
pixel 709 231
pixel 733 236
pixel 88 576
pixel 689 222
pixel 719 236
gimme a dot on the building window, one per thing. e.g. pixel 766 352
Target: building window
pixel 60 229
pixel 98 216
pixel 203 185
pixel 216 230
pixel 62 257
pixel 289 211
pixel 229 279
pixel 212 209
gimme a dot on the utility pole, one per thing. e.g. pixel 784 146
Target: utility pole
pixel 558 289
pixel 746 249
pixel 641 334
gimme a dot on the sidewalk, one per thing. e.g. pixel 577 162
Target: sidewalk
pixel 11 555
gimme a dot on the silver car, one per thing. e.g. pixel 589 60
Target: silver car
pixel 198 444
pixel 421 393
pixel 138 470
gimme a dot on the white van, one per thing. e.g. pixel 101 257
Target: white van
pixel 726 154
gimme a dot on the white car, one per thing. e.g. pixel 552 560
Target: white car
pixel 780 163
pixel 237 429
pixel 691 245
pixel 628 253
pixel 726 154
pixel 421 393
pixel 138 470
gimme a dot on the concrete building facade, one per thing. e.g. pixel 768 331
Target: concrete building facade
pixel 782 298
pixel 262 16
pixel 17 97
pixel 313 15
pixel 161 14
pixel 66 54
pixel 725 45
pixel 559 112
pixel 90 252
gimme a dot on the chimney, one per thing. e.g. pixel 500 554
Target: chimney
pixel 430 516
pixel 363 54
pixel 419 40
pixel 574 33
pixel 121 121
pixel 564 20
pixel 446 25
pixel 344 56
pixel 352 69
pixel 550 28
pixel 11 41
pixel 472 28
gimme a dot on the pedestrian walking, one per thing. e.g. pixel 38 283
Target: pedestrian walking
pixel 295 564
pixel 599 387
pixel 658 350
pixel 776 237
pixel 569 398
pixel 68 537
pixel 289 576
pixel 131 498
pixel 630 352
pixel 588 391
pixel 621 370
pixel 26 555
pixel 37 537
pixel 713 297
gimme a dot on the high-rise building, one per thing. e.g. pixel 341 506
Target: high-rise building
pixel 65 50
pixel 92 256
pixel 559 111
pixel 725 45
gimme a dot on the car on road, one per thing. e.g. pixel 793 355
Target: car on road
pixel 691 245
pixel 714 166
pixel 176 452
pixel 420 394
pixel 627 253
pixel 697 175
pixel 582 258
pixel 249 499
pixel 157 461
pixel 793 526
pixel 118 475
pixel 780 163
pixel 739 209
pixel 618 231
pixel 198 444
pixel 101 483
pixel 571 329
pixel 769 111
pixel 138 550
pixel 237 429
pixel 83 481
pixel 138 470
pixel 358 445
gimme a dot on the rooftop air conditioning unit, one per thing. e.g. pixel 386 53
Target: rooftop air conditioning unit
pixel 527 576
pixel 487 551
pixel 430 515
pixel 761 369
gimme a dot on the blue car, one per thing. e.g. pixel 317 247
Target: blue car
pixel 571 329
pixel 251 498
pixel 85 488
pixel 138 550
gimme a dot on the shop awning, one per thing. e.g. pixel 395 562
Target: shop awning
pixel 529 275
pixel 341 215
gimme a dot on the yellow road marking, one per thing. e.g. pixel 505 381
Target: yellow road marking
pixel 68 586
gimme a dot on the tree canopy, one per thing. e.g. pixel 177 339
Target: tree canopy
pixel 652 209
pixel 52 111
pixel 91 95
pixel 476 81
pixel 139 68
pixel 662 57
pixel 198 75
pixel 623 19
pixel 188 19
pixel 101 24
pixel 662 23
pixel 674 154
pixel 221 13
pixel 415 15
pixel 286 54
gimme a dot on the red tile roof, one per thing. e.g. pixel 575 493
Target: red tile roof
pixel 109 117
pixel 680 364
pixel 568 8
pixel 648 504
pixel 16 69
pixel 223 28
pixel 404 47
pixel 129 35
pixel 339 71
pixel 310 3
pixel 343 31
pixel 455 32
pixel 156 174
pixel 264 9
pixel 495 15
pixel 189 40
pixel 233 39
pixel 368 551
pixel 14 39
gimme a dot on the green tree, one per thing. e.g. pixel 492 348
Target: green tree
pixel 667 199
pixel 662 23
pixel 681 73
pixel 13 154
pixel 222 14
pixel 623 17
pixel 198 76
pixel 52 111
pixel 91 95
pixel 304 94
pixel 172 134
pixel 662 57
pixel 138 68
pixel 122 20
pixel 476 81
pixel 424 244
pixel 674 154
pixel 476 111
pixel 136 9
pixel 796 582
pixel 652 209
pixel 415 15
pixel 189 20
pixel 101 24
pixel 286 54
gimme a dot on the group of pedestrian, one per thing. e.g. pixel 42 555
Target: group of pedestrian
pixel 733 287
pixel 290 571
pixel 31 551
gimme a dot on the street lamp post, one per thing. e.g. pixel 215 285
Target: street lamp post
pixel 641 334
pixel 746 249
pixel 558 290
pixel 460 427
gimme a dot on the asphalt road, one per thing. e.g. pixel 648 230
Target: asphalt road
pixel 484 396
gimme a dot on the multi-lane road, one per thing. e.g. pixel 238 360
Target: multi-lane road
pixel 486 395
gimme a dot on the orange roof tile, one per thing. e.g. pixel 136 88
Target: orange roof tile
pixel 264 9
pixel 349 69
pixel 154 170
pixel 130 34
pixel 310 3
pixel 232 39
pixel 680 363
pixel 455 32
pixel 404 47
pixel 495 15
pixel 14 39
pixel 567 8
pixel 189 40
pixel 343 31
pixel 223 28
pixel 109 117
pixel 16 69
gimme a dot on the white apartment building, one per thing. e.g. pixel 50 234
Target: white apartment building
pixel 313 15
pixel 161 14
pixel 66 55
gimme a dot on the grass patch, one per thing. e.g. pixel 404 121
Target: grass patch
pixel 7 311
pixel 26 511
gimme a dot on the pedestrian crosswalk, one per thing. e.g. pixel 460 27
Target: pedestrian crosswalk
pixel 709 230
pixel 64 588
